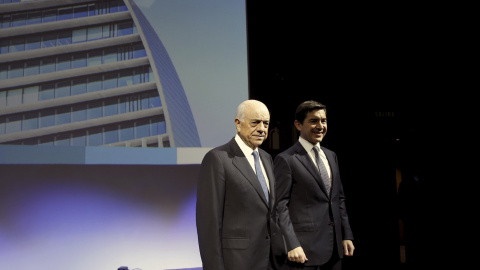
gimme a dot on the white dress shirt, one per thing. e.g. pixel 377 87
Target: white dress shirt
pixel 309 148
pixel 247 151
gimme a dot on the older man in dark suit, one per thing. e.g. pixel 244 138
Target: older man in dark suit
pixel 311 201
pixel 236 206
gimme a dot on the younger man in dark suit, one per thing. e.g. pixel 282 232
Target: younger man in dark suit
pixel 311 201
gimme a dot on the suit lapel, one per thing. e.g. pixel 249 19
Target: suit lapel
pixel 240 162
pixel 305 159
pixel 331 159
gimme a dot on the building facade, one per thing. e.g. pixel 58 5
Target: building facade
pixel 88 73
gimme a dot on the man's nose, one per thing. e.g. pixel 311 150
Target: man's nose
pixel 261 127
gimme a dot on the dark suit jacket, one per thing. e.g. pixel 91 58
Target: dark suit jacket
pixel 308 217
pixel 236 228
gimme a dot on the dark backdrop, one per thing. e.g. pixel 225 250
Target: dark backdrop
pixel 377 69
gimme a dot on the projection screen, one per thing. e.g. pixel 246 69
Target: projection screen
pixel 106 110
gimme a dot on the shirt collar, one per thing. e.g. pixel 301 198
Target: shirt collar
pixel 307 145
pixel 247 151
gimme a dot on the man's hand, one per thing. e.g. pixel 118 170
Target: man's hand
pixel 297 255
pixel 348 248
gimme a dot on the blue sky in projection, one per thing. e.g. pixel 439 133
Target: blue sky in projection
pixel 206 41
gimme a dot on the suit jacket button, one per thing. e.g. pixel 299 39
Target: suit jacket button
pixel 331 223
pixel 268 236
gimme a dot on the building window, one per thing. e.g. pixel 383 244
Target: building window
pixel 62 13
pixel 2 125
pixel 125 28
pixel 113 6
pixel 139 51
pixel 63 62
pixel 107 31
pixel 65 13
pixel 95 137
pixel 3 99
pixel 30 95
pixel 80 11
pixel 5 21
pixel 17 45
pixel 94 58
pixel 79 112
pixel 13 124
pixel 62 140
pixel 47 65
pixel 154 101
pixel 92 136
pixel 94 110
pixel 4 44
pixel 30 121
pixel 16 70
pixel 94 33
pixel 122 7
pixel 126 132
pixel 110 55
pixel 79 60
pixel 47 118
pixel 49 15
pixel 47 91
pixel 32 68
pixel 3 72
pixel 19 19
pixel 92 9
pixel 111 134
pixel 49 40
pixel 33 42
pixel 142 128
pixel 94 84
pixel 158 126
pixel 14 97
pixel 138 76
pixel 78 138
pixel 79 86
pixel 64 38
pixel 110 81
pixel 62 89
pixel 62 116
pixel 125 78
pixel 34 17
pixel 79 35
pixel 110 107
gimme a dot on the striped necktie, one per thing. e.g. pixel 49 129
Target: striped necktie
pixel 322 169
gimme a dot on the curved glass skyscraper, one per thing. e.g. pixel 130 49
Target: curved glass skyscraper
pixel 88 73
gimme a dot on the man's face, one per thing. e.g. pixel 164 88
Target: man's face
pixel 253 128
pixel 314 127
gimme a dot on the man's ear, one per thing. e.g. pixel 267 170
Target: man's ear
pixel 237 124
pixel 298 125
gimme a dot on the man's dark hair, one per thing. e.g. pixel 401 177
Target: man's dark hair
pixel 306 107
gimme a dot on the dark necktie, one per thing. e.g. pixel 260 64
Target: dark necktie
pixel 260 176
pixel 322 169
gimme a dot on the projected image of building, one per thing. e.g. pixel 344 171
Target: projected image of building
pixel 88 73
